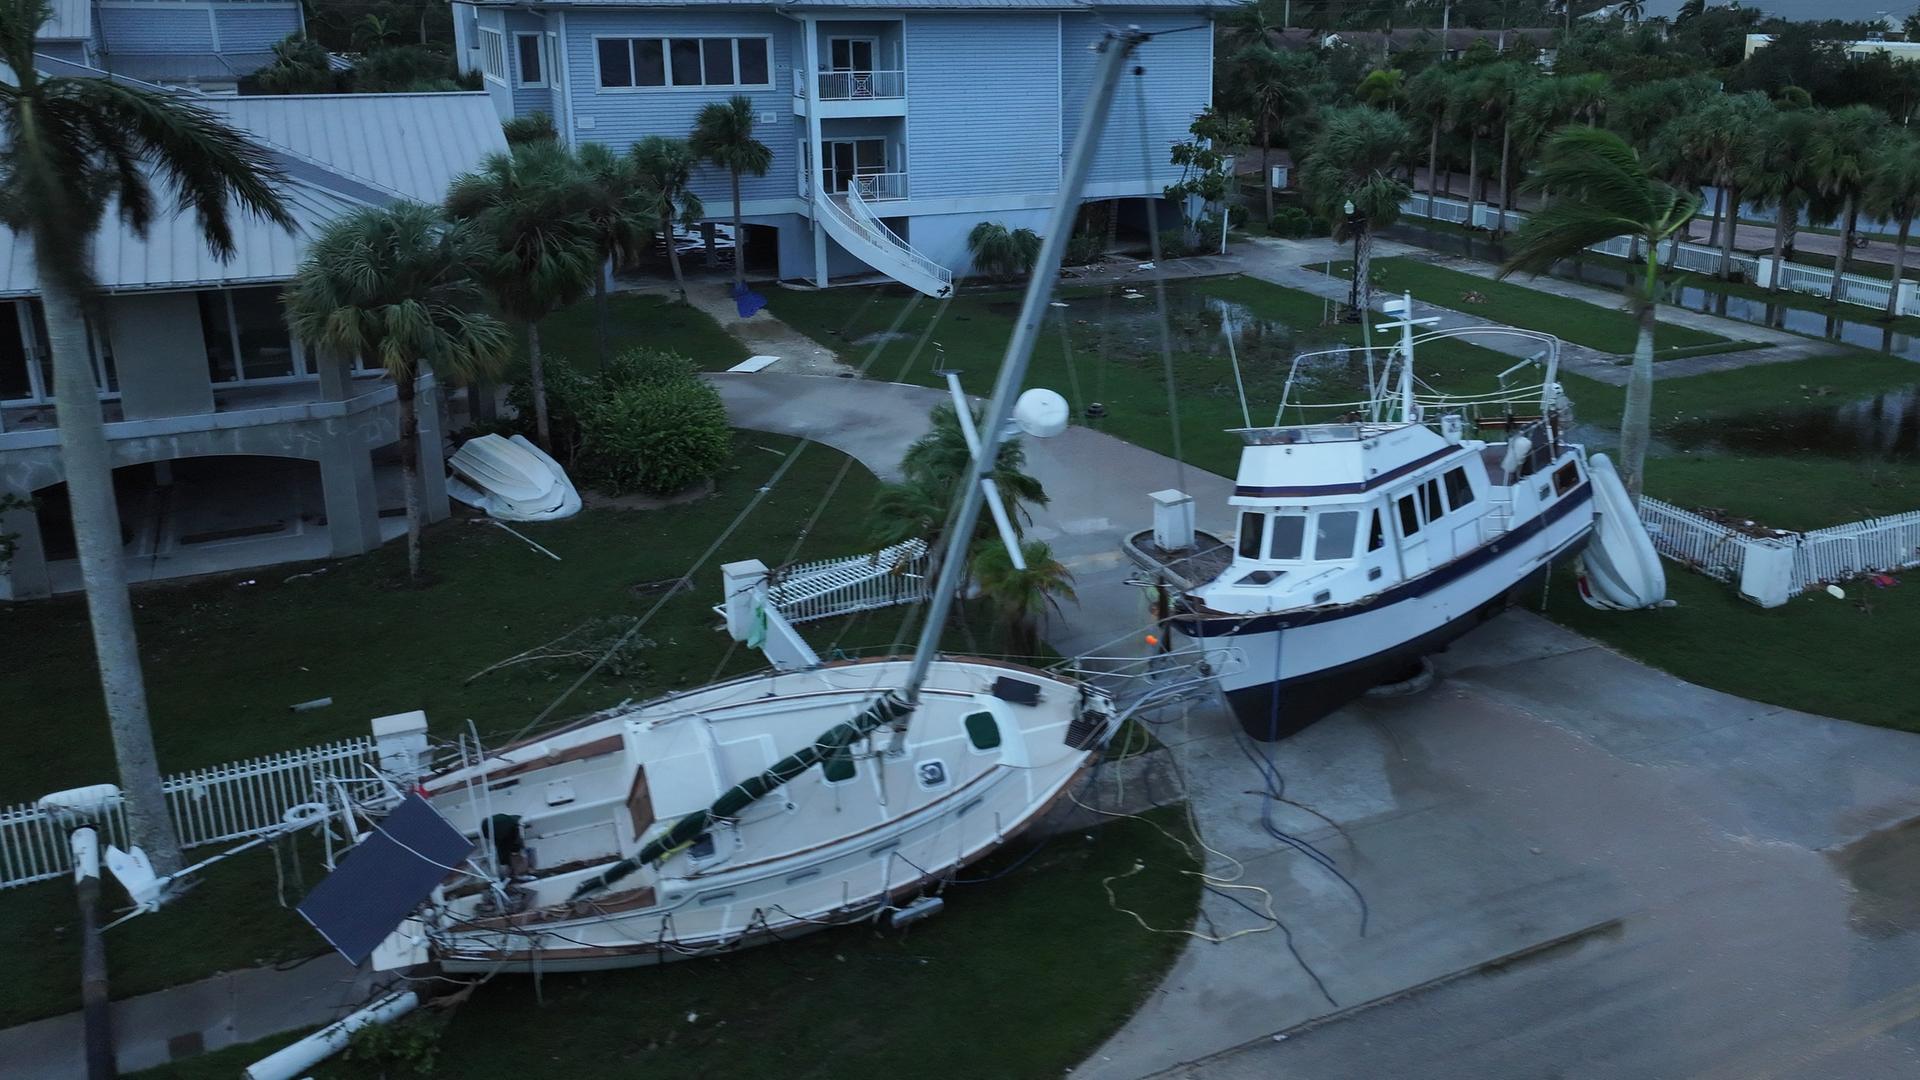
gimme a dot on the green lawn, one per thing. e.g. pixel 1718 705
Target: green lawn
pixel 1851 658
pixel 1797 492
pixel 1020 977
pixel 653 322
pixel 1609 330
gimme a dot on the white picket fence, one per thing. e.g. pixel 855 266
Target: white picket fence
pixel 1700 258
pixel 829 587
pixel 1820 557
pixel 209 806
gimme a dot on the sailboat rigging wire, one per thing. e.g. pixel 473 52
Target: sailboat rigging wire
pixel 685 580
pixel 1160 283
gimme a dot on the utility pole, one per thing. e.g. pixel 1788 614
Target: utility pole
pixel 95 1011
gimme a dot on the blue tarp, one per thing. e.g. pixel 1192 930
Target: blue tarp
pixel 748 300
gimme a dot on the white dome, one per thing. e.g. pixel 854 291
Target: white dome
pixel 1041 413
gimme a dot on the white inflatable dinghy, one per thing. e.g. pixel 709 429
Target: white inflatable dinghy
pixel 512 480
pixel 1619 570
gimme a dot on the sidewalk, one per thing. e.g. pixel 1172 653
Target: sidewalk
pixel 181 1021
pixel 1287 262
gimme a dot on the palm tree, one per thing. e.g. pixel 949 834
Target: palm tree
pixel 1601 189
pixel 723 135
pixel 1631 10
pixel 620 210
pixel 1431 96
pixel 1247 25
pixel 1838 156
pixel 394 285
pixel 1383 88
pixel 1893 190
pixel 1776 176
pixel 538 247
pixel 1269 81
pixel 1022 597
pixel 666 169
pixel 1499 90
pixel 373 31
pixel 1354 161
pixel 997 251
pixel 932 469
pixel 1710 146
pixel 69 149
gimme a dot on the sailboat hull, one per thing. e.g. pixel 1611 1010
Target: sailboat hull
pixel 989 749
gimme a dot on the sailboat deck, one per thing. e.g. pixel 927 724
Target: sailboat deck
pixel 1188 568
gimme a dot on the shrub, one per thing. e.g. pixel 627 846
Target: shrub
pixel 657 437
pixel 535 127
pixel 1291 222
pixel 647 422
pixel 1085 247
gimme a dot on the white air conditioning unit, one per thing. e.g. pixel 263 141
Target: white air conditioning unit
pixel 1278 177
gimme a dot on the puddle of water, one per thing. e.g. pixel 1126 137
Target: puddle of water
pixel 1884 427
pixel 1861 334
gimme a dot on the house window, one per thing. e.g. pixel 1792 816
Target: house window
pixel 1459 488
pixel 493 55
pixel 17 381
pixel 530 58
pixel 634 63
pixel 1289 534
pixel 246 335
pixel 1333 533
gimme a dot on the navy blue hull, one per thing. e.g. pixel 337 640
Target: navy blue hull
pixel 1272 711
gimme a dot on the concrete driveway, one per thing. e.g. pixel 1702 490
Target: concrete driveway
pixel 1572 865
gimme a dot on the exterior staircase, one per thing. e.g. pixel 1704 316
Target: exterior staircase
pixel 850 220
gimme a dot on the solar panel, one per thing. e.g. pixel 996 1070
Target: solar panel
pixel 381 881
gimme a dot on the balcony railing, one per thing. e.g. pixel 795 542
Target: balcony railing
pixel 855 85
pixel 891 185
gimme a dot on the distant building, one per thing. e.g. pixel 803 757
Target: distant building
pixel 1899 50
pixel 232 444
pixel 895 127
pixel 206 44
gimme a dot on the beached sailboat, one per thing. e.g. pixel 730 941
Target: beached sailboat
pixel 747 811
pixel 1383 533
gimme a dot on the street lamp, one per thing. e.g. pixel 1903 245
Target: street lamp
pixel 1355 222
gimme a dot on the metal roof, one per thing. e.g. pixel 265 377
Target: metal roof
pixel 72 20
pixel 340 152
pixel 183 66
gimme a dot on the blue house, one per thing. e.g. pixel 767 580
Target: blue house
pixel 895 127
pixel 207 44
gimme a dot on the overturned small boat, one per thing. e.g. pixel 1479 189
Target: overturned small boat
pixel 511 480
pixel 1371 540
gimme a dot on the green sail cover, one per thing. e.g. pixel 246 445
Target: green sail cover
pixel 737 798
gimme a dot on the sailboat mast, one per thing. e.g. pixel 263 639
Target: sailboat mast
pixel 1115 48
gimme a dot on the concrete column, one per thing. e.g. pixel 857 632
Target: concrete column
pixel 25 578
pixel 352 501
pixel 433 465
pixel 819 254
pixel 336 381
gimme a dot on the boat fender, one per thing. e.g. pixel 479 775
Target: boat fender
pixel 925 907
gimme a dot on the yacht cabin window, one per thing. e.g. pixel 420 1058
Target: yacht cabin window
pixel 1377 538
pixel 1409 516
pixel 1459 488
pixel 1289 536
pixel 1430 501
pixel 1333 532
pixel 1253 526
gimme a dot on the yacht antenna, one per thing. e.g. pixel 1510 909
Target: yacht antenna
pixel 1114 48
pixel 1403 308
